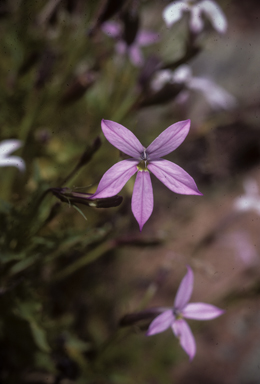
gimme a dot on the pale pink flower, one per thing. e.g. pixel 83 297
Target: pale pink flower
pixel 216 96
pixel 143 161
pixel 143 38
pixel 174 12
pixel 174 317
pixel 7 147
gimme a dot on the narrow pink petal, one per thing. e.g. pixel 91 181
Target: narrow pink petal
pixel 147 37
pixel 142 199
pixel 115 178
pixel 13 161
pixel 161 323
pixel 9 146
pixel 187 341
pixel 136 55
pixel 168 140
pixel 201 311
pixel 185 290
pixel 174 177
pixel 121 138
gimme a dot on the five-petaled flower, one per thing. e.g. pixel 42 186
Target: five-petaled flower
pixel 143 38
pixel 143 161
pixel 174 11
pixel 173 317
pixel 7 147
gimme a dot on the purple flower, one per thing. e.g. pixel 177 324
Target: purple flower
pixel 142 39
pixel 7 147
pixel 143 161
pixel 174 11
pixel 173 317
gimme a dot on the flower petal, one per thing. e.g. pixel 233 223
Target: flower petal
pixel 196 22
pixel 168 140
pixel 173 12
pixel 161 323
pixel 121 138
pixel 9 146
pixel 185 290
pixel 112 29
pixel 216 96
pixel 115 178
pixel 147 37
pixel 142 199
pixel 201 311
pixel 174 177
pixel 187 341
pixel 13 161
pixel 215 15
pixel 135 55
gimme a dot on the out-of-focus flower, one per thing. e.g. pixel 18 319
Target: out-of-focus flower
pixel 250 201
pixel 174 317
pixel 217 97
pixel 7 147
pixel 143 161
pixel 243 246
pixel 143 38
pixel 174 11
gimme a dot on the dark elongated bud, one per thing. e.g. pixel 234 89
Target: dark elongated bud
pixel 66 195
pixel 131 26
pixel 136 317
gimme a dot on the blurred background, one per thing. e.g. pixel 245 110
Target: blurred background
pixel 71 271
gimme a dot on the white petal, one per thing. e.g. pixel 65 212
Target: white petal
pixel 173 12
pixel 215 15
pixel 13 161
pixel 9 146
pixel 196 22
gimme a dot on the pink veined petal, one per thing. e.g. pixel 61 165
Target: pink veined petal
pixel 174 177
pixel 168 140
pixel 13 161
pixel 185 290
pixel 9 146
pixel 201 311
pixel 161 323
pixel 173 12
pixel 196 22
pixel 135 55
pixel 147 37
pixel 121 138
pixel 215 15
pixel 112 29
pixel 187 341
pixel 115 178
pixel 142 199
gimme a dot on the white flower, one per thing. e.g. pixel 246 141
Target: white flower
pixel 174 11
pixel 250 201
pixel 7 147
pixel 217 97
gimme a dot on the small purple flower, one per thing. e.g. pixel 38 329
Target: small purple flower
pixel 173 317
pixel 7 147
pixel 174 11
pixel 143 161
pixel 142 39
